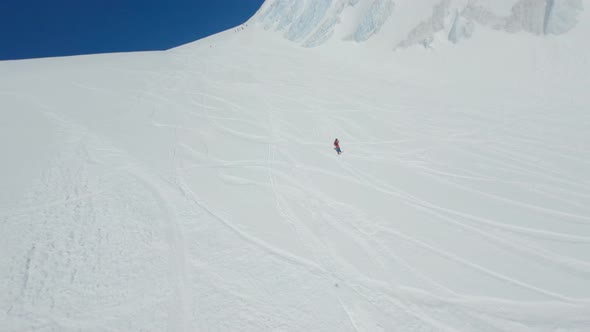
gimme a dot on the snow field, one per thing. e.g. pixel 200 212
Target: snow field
pixel 197 189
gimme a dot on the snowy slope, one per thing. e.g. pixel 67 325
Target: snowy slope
pixel 197 190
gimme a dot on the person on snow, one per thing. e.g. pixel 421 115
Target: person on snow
pixel 337 146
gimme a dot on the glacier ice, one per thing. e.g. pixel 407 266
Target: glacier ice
pixel 378 13
pixel 561 15
pixel 312 16
pixel 314 22
pixel 462 28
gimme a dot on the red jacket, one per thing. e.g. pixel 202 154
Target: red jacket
pixel 337 143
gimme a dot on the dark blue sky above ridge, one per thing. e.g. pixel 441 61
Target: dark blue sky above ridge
pixel 37 28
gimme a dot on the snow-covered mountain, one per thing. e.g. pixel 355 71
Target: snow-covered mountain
pixel 402 23
pixel 196 189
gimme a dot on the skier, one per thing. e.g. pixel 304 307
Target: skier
pixel 337 146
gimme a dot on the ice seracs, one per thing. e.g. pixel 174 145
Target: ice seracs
pixel 313 23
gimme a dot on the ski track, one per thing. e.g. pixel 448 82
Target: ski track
pixel 470 264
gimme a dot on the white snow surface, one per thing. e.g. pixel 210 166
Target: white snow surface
pixel 197 189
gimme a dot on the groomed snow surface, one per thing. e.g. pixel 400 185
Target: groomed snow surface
pixel 197 189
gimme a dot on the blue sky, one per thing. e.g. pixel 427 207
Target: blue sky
pixel 37 28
